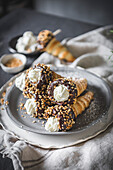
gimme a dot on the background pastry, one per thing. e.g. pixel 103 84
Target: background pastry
pixel 47 42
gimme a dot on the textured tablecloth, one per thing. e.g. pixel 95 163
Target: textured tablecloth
pixel 93 51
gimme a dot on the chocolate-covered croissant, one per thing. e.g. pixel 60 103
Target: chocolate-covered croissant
pixel 47 42
pixel 64 91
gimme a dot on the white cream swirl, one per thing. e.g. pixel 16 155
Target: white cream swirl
pixel 26 41
pixel 30 106
pixel 52 124
pixel 61 93
pixel 20 82
pixel 34 75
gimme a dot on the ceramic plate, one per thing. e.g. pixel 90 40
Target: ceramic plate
pixel 96 111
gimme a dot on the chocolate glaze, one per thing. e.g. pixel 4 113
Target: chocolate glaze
pixel 44 38
pixel 38 90
pixel 64 114
pixel 71 86
pixel 32 88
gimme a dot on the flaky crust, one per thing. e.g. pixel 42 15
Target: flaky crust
pixel 81 85
pixel 55 48
pixel 75 88
pixel 47 42
pixel 82 103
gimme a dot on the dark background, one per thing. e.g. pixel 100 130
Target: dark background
pixel 99 12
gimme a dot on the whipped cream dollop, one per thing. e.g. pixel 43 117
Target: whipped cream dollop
pixel 34 75
pixel 52 124
pixel 26 41
pixel 61 93
pixel 30 106
pixel 20 82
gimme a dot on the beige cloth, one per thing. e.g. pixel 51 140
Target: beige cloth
pixel 93 50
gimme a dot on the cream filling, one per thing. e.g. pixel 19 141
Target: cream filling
pixel 30 106
pixel 52 124
pixel 34 75
pixel 61 93
pixel 20 82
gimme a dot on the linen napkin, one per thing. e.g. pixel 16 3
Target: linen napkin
pixel 93 52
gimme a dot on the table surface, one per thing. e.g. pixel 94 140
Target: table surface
pixel 23 20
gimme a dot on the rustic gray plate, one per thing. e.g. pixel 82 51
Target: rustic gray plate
pixel 96 111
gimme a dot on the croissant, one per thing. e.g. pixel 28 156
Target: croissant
pixel 82 103
pixel 48 43
pixel 67 88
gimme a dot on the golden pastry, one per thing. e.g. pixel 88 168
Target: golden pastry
pixel 47 42
pixel 64 114
pixel 82 103
pixel 37 80
pixel 63 91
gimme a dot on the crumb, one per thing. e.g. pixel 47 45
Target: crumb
pixel 2 108
pixel 2 100
pixel 17 109
pixel 3 94
pixel 34 121
pixel 43 122
pixel 10 84
pixel 23 108
pixel 25 112
pixel 21 104
pixel 22 115
pixel 6 102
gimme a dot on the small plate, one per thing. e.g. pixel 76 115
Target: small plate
pixel 12 47
pixel 97 110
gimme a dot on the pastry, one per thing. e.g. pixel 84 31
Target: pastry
pixel 63 91
pixel 47 42
pixel 37 80
pixel 82 103
pixel 42 103
pixel 54 98
pixel 64 115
